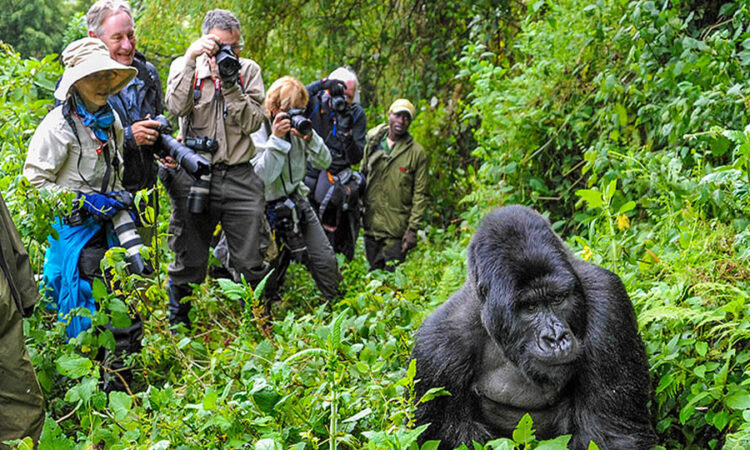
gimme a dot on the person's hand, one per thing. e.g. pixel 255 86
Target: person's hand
pixel 101 205
pixel 281 125
pixel 208 44
pixel 145 132
pixel 335 87
pixel 168 162
pixel 305 137
pixel 408 241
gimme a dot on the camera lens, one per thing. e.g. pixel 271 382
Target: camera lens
pixel 228 63
pixel 198 196
pixel 339 103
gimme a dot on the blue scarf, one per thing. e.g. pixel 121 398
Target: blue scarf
pixel 99 121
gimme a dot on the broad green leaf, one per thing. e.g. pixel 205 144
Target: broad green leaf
pixel 73 366
pixel 738 400
pixel 592 198
pixel 120 404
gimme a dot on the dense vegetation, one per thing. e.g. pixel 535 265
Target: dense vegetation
pixel 626 122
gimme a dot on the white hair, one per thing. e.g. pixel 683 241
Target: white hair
pixel 345 74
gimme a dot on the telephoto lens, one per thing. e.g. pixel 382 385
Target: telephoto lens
pixel 195 164
pixel 130 240
pixel 299 121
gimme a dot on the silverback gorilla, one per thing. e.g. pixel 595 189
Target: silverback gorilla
pixel 533 329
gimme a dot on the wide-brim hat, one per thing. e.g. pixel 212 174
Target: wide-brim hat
pixel 85 57
pixel 402 105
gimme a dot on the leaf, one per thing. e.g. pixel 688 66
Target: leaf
pixel 73 366
pixel 558 443
pixel 120 404
pixel 82 391
pixel 364 413
pixel 629 206
pixel 738 400
pixel 592 198
pixel 433 393
pixel 268 444
pixel 524 433
pixel 701 347
pixel 209 401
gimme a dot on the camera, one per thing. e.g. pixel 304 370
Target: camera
pixel 130 240
pixel 339 103
pixel 227 62
pixel 299 121
pixel 124 228
pixel 185 155
pixel 200 190
pixel 284 218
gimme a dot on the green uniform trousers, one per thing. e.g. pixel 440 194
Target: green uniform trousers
pixel 21 403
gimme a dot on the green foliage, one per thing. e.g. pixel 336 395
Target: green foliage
pixel 624 122
pixel 34 28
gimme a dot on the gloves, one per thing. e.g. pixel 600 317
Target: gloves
pixel 335 87
pixel 408 241
pixel 101 205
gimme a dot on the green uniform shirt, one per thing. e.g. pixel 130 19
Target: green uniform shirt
pixel 396 195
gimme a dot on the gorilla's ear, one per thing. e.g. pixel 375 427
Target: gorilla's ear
pixel 473 275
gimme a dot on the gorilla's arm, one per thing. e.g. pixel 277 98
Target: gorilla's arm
pixel 447 351
pixel 612 391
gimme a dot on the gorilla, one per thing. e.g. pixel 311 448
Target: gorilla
pixel 533 330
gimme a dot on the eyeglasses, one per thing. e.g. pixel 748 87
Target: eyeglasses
pixel 104 75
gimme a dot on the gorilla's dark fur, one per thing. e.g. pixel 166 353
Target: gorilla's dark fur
pixel 533 329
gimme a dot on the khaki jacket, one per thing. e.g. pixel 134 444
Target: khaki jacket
pixel 21 281
pixel 396 193
pixel 56 161
pixel 229 118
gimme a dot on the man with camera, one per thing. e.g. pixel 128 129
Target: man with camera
pixel 285 144
pixel 138 103
pixel 77 148
pixel 396 196
pixel 218 97
pixel 341 122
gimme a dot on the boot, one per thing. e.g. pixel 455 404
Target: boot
pixel 178 309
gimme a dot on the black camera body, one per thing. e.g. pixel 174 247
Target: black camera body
pixel 339 103
pixel 299 121
pixel 227 62
pixel 185 155
pixel 284 217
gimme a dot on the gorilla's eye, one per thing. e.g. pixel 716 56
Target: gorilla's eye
pixel 559 299
pixel 529 307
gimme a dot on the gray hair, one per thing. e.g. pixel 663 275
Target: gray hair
pixel 220 19
pixel 346 75
pixel 102 9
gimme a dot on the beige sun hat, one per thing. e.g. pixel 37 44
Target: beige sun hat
pixel 86 56
pixel 402 105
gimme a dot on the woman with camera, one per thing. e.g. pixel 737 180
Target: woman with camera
pixel 285 143
pixel 77 148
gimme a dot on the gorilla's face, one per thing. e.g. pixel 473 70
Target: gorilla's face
pixel 537 324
